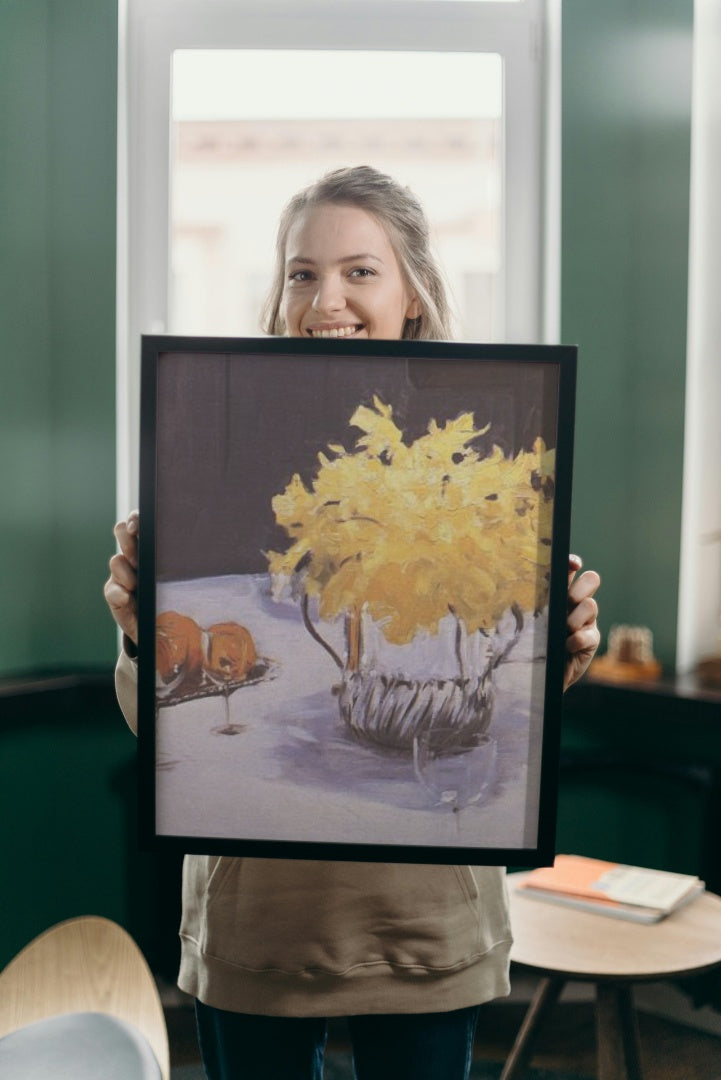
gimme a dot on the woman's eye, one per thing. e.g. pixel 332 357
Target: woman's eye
pixel 362 272
pixel 300 276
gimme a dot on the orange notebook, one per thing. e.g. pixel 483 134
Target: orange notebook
pixel 631 892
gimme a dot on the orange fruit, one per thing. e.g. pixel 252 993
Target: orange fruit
pixel 177 644
pixel 230 650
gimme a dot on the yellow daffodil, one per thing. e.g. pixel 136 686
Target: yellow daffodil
pixel 409 532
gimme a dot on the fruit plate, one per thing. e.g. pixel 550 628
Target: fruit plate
pixel 263 670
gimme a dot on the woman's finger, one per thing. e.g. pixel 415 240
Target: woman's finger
pixel 123 607
pixel 123 573
pixel 575 563
pixel 126 534
pixel 582 614
pixel 585 585
pixel 585 640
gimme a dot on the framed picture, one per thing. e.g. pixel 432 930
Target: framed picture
pixel 352 597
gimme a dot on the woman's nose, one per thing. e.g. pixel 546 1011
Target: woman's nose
pixel 329 295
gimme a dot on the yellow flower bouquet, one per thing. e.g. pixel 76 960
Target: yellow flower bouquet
pixel 410 534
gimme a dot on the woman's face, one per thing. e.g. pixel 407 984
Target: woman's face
pixel 342 277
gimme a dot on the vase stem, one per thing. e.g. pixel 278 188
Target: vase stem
pixel 314 633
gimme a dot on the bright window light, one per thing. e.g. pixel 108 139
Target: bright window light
pixel 260 84
pixel 251 127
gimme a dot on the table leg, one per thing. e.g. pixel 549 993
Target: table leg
pixel 617 1033
pixel 545 997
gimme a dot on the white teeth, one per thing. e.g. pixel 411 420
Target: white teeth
pixel 335 332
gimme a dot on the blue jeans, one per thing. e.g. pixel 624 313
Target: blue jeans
pixel 415 1046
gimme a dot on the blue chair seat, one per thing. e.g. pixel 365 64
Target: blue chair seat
pixel 78 1046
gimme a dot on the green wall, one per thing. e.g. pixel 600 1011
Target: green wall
pixel 68 804
pixel 626 145
pixel 58 72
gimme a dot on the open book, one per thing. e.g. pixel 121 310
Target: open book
pixel 608 888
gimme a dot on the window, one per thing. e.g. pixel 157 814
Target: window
pixel 227 107
pixel 235 161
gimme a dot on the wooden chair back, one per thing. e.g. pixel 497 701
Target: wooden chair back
pixel 87 964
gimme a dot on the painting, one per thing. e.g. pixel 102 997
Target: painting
pixel 352 598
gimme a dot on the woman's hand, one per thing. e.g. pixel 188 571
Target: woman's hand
pixel 583 635
pixel 121 587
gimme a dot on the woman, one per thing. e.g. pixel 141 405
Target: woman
pixel 271 948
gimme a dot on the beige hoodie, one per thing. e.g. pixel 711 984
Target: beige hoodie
pixel 285 937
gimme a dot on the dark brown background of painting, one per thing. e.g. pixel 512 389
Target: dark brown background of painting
pixel 231 429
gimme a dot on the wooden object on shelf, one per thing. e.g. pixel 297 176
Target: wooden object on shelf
pixel 709 671
pixel 617 671
pixel 629 657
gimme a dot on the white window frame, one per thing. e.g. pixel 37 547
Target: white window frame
pixel 699 598
pixel 526 34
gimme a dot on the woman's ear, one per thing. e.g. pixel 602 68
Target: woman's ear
pixel 415 309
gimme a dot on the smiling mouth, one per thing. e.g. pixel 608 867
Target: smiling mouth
pixel 335 331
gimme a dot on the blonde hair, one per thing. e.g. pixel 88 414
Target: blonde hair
pixel 403 217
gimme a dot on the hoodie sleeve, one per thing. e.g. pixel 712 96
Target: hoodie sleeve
pixel 126 688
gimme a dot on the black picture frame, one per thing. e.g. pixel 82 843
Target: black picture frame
pixel 265 729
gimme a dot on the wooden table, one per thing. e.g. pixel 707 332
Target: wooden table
pixel 563 944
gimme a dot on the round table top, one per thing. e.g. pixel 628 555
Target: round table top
pixel 559 940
